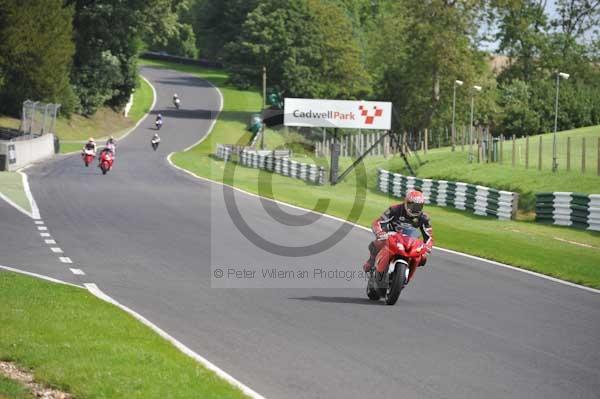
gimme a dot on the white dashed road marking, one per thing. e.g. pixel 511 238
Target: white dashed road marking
pixel 45 234
pixel 39 222
pixel 78 272
pixel 56 250
pixel 65 259
pixel 49 241
pixel 42 228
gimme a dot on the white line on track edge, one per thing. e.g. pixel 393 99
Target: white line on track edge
pixel 14 205
pixel 35 212
pixel 40 276
pixel 93 288
pixel 491 262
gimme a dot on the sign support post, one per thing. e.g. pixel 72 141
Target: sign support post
pixel 335 158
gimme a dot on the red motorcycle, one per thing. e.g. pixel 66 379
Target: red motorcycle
pixel 406 248
pixel 106 161
pixel 88 157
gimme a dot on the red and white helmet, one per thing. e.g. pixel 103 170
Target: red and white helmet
pixel 413 202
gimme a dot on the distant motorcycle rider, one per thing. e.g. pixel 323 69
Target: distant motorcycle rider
pixel 90 146
pixel 111 143
pixel 155 141
pixel 408 213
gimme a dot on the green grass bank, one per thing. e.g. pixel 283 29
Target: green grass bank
pixel 11 186
pixel 79 344
pixel 10 389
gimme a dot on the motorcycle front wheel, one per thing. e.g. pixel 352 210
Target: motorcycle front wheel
pixel 397 282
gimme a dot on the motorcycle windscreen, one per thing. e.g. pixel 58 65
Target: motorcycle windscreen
pixel 410 231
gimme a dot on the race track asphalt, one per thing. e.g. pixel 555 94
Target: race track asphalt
pixel 151 237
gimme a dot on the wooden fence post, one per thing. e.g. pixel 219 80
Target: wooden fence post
pixel 540 154
pixel 514 150
pixel 598 157
pixel 426 141
pixel 480 145
pixel 490 142
pixel 500 155
pixel 568 153
pixel 583 155
pixel 462 139
pixel 526 152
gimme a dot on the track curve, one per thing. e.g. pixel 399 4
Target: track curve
pixel 148 234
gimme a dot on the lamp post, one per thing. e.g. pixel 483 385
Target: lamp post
pixel 264 105
pixel 475 88
pixel 565 76
pixel 456 83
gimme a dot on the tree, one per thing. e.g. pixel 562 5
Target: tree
pixel 217 22
pixel 307 47
pixel 178 37
pixel 521 33
pixel 435 50
pixel 518 117
pixel 35 53
pixel 108 39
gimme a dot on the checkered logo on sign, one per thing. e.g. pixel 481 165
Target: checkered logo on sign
pixel 370 115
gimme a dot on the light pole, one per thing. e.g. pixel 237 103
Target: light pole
pixel 264 105
pixel 475 88
pixel 456 83
pixel 554 161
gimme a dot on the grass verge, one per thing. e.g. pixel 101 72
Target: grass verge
pixel 11 185
pixel 91 349
pixel 10 389
pixel 556 251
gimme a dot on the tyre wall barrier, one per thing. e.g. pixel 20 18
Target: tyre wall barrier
pixel 20 153
pixel 280 165
pixel 484 201
pixel 568 209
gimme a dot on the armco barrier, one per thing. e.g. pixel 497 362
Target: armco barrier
pixel 280 165
pixel 480 200
pixel 22 152
pixel 568 209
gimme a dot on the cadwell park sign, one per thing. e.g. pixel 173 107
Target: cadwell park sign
pixel 337 113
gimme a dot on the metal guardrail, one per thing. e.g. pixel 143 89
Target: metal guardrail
pixel 568 209
pixel 480 200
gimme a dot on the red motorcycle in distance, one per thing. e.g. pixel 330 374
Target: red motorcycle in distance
pixel 88 157
pixel 106 161
pixel 406 248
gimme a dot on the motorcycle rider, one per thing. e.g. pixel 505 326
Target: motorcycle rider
pixel 410 212
pixel 111 143
pixel 90 146
pixel 159 119
pixel 155 141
